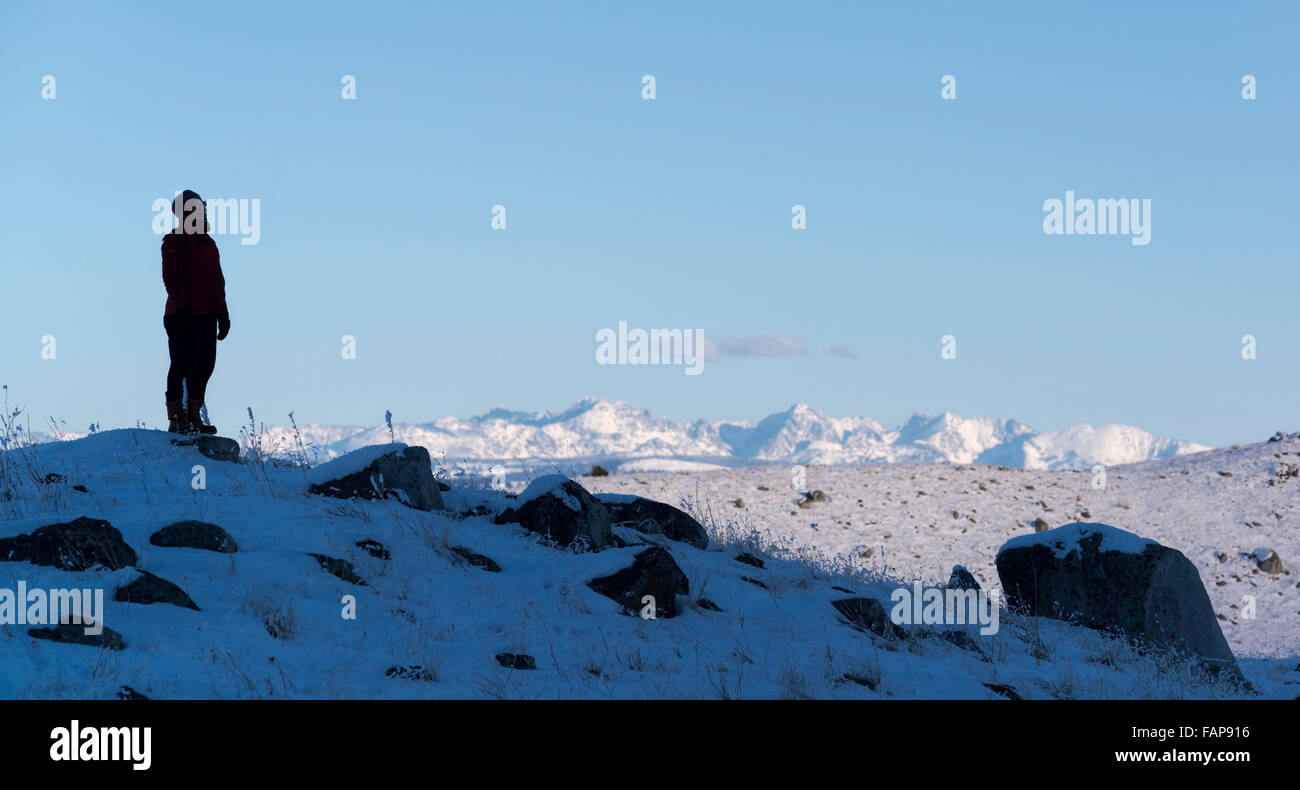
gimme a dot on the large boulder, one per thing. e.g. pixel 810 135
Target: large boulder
pixel 654 518
pixel 1105 578
pixel 387 471
pixel 557 507
pixel 72 546
pixel 653 572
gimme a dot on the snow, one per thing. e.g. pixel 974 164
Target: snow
pixel 1065 540
pixel 667 465
pixel 553 485
pixel 426 607
pixel 352 462
pixel 902 516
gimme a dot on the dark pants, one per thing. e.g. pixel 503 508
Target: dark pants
pixel 192 345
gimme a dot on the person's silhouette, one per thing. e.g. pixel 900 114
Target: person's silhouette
pixel 196 316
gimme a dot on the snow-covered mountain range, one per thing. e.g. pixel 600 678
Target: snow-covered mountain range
pixel 618 432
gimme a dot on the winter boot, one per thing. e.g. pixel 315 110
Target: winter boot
pixel 196 419
pixel 177 421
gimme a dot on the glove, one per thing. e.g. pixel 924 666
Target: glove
pixel 223 325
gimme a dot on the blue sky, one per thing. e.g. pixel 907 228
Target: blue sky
pixel 924 216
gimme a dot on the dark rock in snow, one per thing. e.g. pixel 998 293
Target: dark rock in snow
pixel 750 559
pixel 754 582
pixel 1267 561
pixel 218 448
pixel 340 568
pixel 148 588
pixel 516 661
pixel 1006 691
pixel 75 634
pixel 962 579
pixel 653 572
pixel 1041 525
pixel 869 614
pixel 705 603
pixel 507 516
pixel 477 560
pixel 404 474
pixel 654 518
pixel 374 548
pixel 72 546
pixel 126 692
pixel 195 535
pixel 411 672
pixel 1105 578
pixel 564 511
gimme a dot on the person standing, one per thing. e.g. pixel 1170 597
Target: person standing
pixel 195 316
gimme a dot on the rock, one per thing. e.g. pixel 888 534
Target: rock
pixel 653 572
pixel 54 478
pixel 374 548
pixel 126 692
pixel 754 581
pixel 1041 525
pixel 71 634
pixel 598 471
pixel 962 579
pixel 72 546
pixel 844 590
pixel 738 502
pixel 404 473
pixel 1006 691
pixel 80 488
pixel 148 588
pixel 516 661
pixel 507 516
pixel 1267 561
pixel 816 496
pixel 411 672
pixel 477 560
pixel 195 535
pixel 654 518
pixel 705 603
pixel 340 568
pixel 750 559
pixel 868 614
pixel 1105 578
pixel 1278 437
pixel 556 507
pixel 218 448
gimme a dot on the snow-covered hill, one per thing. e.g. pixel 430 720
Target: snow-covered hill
pixel 615 432
pixel 305 596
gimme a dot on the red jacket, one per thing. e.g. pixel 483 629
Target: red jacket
pixel 191 271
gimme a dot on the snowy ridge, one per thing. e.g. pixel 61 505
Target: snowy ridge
pixel 618 431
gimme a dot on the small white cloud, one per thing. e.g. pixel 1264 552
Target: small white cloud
pixel 843 351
